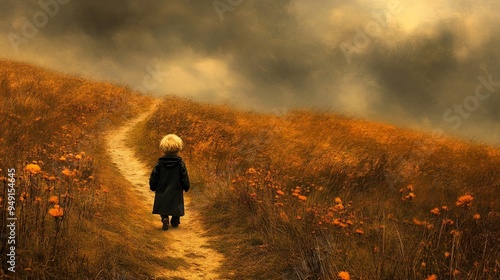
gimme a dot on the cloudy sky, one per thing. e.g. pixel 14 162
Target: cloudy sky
pixel 427 64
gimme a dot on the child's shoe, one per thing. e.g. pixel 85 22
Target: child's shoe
pixel 165 224
pixel 176 221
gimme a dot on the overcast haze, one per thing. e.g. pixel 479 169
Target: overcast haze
pixel 414 63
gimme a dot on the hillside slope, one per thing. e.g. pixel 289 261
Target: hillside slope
pixel 310 195
pixel 71 220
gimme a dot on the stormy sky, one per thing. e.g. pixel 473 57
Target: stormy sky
pixel 426 64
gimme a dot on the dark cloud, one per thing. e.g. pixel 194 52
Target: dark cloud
pixel 409 66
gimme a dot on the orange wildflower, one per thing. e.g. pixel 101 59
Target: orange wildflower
pixel 57 211
pixel 339 207
pixel 432 277
pixel 344 275
pixel 465 200
pixel 435 211
pixel 280 192
pixel 477 216
pixel 338 200
pixel 68 172
pixel 448 222
pixel 359 231
pixel 302 197
pixel 54 199
pixel 33 168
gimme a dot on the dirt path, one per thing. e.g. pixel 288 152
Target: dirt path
pixel 185 242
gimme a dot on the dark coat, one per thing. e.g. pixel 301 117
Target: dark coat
pixel 168 179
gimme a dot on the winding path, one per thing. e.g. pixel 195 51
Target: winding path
pixel 185 242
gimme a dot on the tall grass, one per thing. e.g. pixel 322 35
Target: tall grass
pixel 310 195
pixel 52 134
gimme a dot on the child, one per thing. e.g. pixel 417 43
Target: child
pixel 168 179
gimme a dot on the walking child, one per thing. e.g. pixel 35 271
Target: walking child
pixel 168 180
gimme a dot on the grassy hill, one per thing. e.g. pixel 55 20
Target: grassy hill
pixel 307 195
pixel 311 195
pixel 71 219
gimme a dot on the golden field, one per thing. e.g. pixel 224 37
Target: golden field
pixel 306 195
pixel 312 195
pixel 53 128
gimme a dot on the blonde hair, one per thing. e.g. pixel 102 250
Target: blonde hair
pixel 171 144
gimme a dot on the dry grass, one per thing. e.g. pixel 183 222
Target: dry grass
pixel 72 222
pixel 310 195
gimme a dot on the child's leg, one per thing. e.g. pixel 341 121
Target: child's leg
pixel 176 220
pixel 164 220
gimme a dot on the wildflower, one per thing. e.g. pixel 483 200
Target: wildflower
pixel 464 201
pixel 338 200
pixel 432 277
pixel 447 254
pixel 448 222
pixel 410 188
pixel 435 211
pixel 280 192
pixel 57 211
pixel 78 157
pixel 445 208
pixel 284 216
pixel 339 207
pixel 67 172
pixel 477 216
pixel 62 158
pixel 455 232
pixel 23 196
pixel 344 275
pixel 54 199
pixel 38 199
pixel 359 231
pixel 302 197
pixel 33 168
